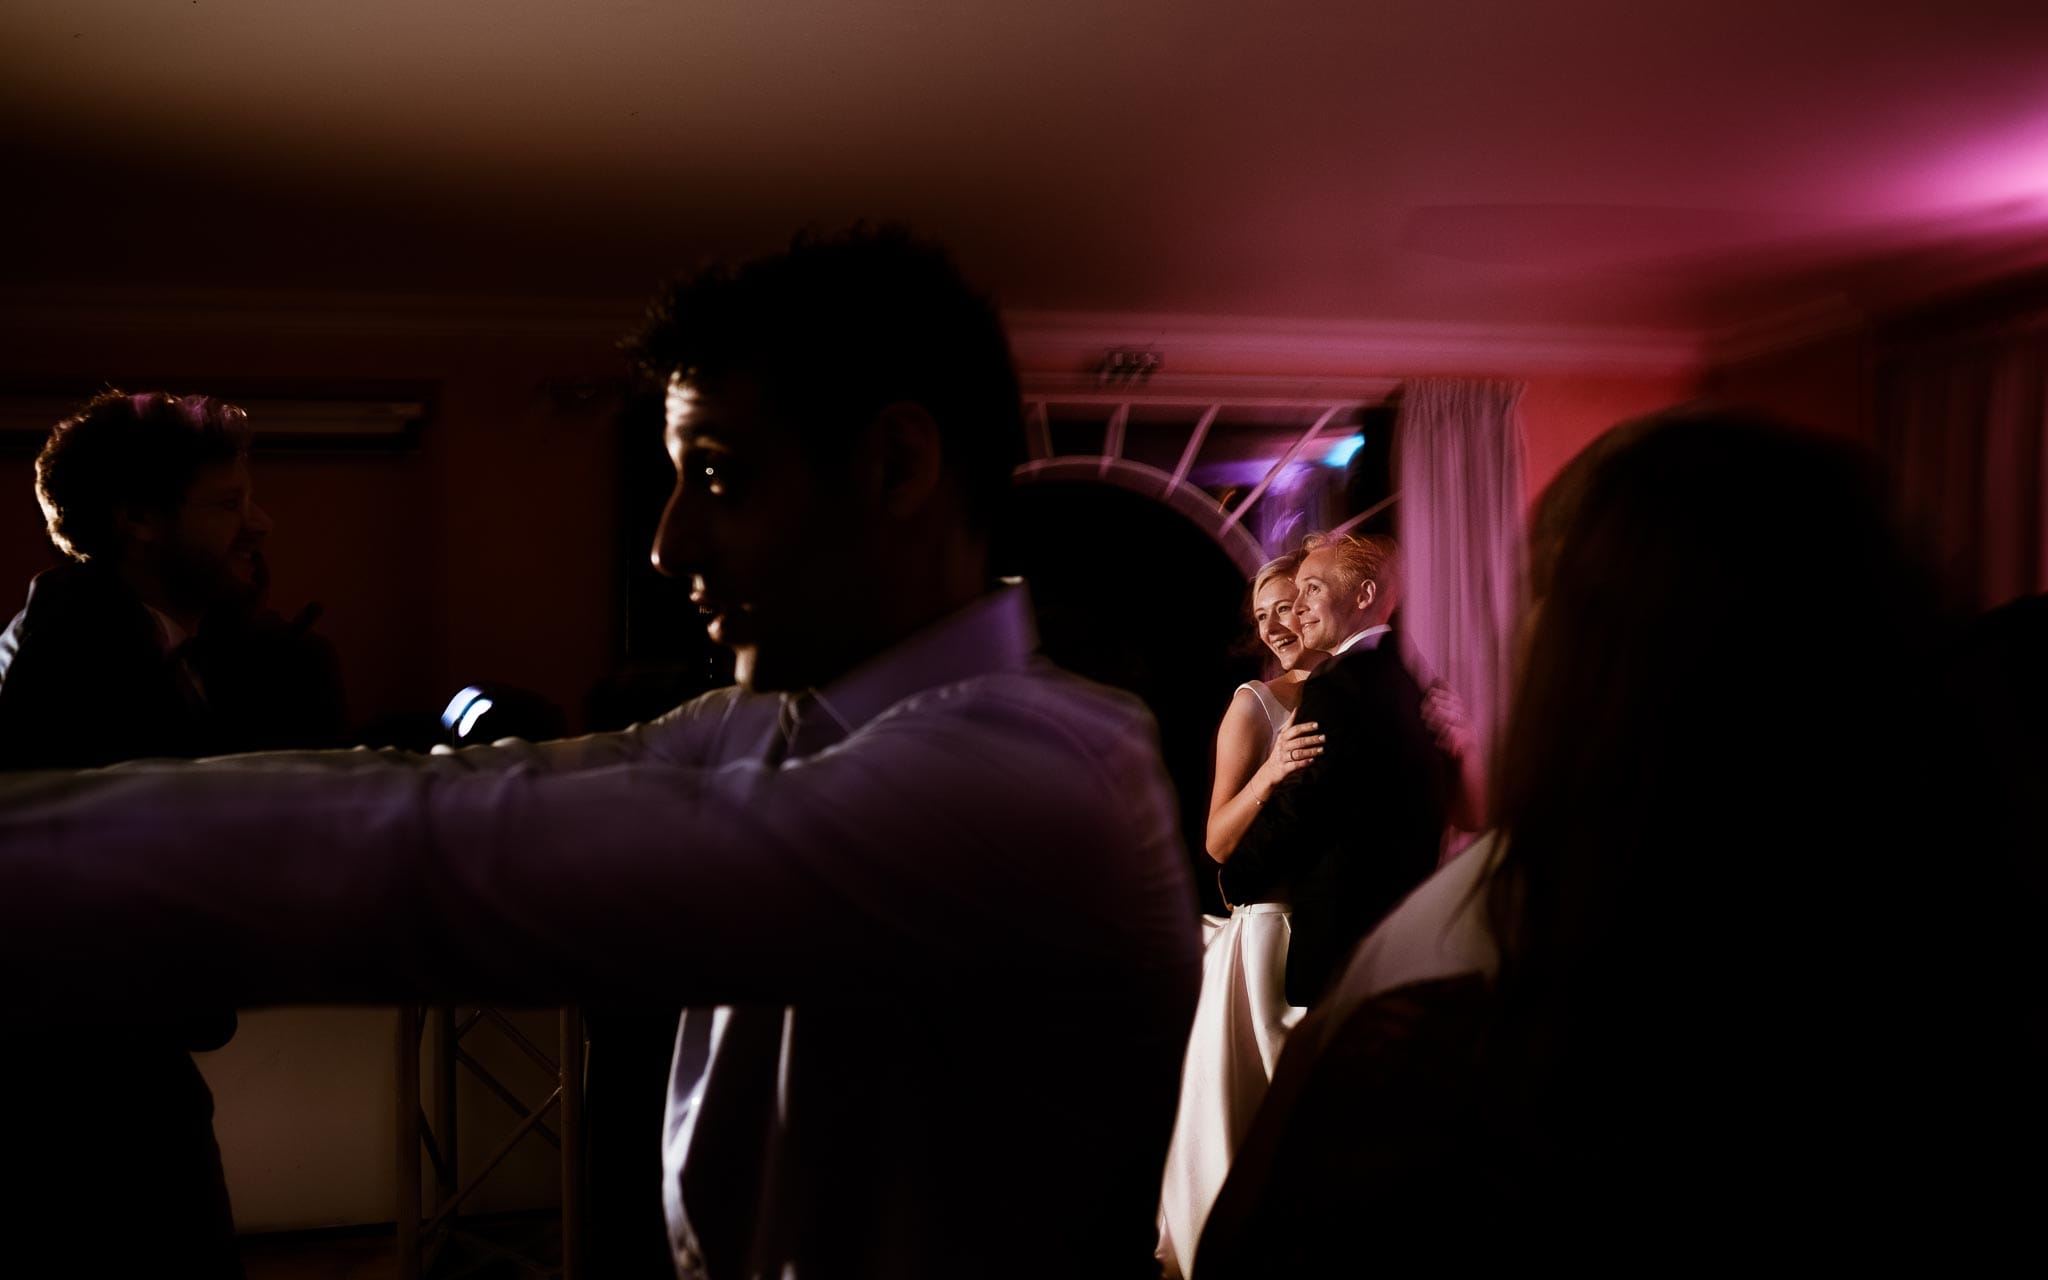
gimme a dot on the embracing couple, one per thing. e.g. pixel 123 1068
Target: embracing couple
pixel 1335 781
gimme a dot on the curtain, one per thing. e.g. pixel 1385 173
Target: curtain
pixel 1964 421
pixel 1458 453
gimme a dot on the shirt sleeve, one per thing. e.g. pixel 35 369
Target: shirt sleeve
pixel 912 857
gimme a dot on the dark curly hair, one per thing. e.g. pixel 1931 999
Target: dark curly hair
pixel 840 326
pixel 120 453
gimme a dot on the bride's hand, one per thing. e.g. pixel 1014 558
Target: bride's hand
pixel 1293 748
pixel 1444 713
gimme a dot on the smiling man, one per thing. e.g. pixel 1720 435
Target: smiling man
pixel 923 892
pixel 1347 836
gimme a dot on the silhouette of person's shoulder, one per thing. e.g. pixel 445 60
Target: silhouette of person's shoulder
pixel 83 681
pixel 76 618
pixel 73 594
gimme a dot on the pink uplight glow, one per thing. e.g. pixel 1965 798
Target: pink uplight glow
pixel 2001 177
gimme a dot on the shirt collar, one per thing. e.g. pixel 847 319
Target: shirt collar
pixel 994 633
pixel 168 633
pixel 1358 639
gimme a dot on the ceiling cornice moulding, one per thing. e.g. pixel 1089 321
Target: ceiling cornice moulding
pixel 1247 391
pixel 1048 341
pixel 101 310
pixel 1784 329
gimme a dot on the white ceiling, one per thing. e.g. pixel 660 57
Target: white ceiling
pixel 1686 165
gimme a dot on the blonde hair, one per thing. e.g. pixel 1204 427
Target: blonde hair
pixel 1281 567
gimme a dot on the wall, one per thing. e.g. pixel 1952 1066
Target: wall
pixel 1823 384
pixel 1561 414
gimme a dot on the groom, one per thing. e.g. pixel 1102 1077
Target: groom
pixel 1345 838
pixel 925 893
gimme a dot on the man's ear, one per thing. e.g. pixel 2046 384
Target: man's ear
pixel 1368 591
pixel 911 456
pixel 138 526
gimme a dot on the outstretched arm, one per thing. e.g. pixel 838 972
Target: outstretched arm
pixel 683 736
pixel 897 863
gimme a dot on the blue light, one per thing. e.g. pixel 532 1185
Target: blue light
pixel 459 704
pixel 1340 452
pixel 471 716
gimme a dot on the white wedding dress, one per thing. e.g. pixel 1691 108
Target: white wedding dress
pixel 1241 1020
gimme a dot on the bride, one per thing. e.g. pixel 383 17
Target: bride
pixel 1243 1017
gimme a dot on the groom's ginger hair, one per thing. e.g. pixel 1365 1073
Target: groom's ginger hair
pixel 1359 560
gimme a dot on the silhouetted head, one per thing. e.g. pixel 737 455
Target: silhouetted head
pixel 157 487
pixel 1713 801
pixel 844 421
pixel 1724 622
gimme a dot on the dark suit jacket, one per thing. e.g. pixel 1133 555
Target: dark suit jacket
pixel 1345 839
pixel 84 681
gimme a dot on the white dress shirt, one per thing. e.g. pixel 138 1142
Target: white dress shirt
pixel 957 949
pixel 1359 638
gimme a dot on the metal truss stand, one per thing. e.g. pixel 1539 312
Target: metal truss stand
pixel 422 1233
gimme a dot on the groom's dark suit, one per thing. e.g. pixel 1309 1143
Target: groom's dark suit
pixel 1347 837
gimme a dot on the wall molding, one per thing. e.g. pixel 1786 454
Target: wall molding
pixel 306 415
pixel 231 311
pixel 1366 351
pixel 1203 389
pixel 1784 329
pixel 1287 352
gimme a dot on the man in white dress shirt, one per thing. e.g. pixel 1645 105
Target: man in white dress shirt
pixel 925 893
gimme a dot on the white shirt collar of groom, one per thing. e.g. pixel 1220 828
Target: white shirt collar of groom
pixel 1358 639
